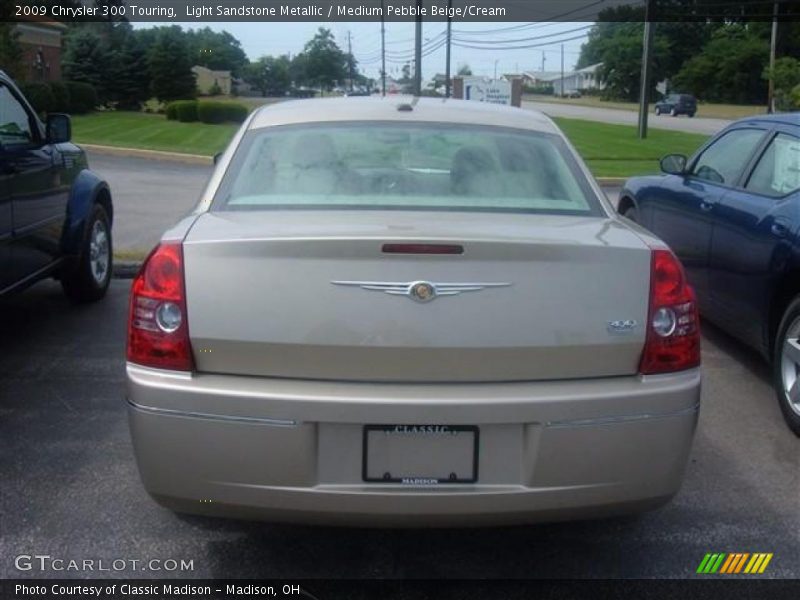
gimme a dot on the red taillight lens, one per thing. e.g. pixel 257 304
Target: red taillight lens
pixel 158 334
pixel 673 325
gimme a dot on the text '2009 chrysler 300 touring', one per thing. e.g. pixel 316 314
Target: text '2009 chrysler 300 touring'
pixel 409 312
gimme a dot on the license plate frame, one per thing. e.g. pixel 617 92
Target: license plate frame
pixel 417 480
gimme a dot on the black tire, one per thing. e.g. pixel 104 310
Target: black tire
pixel 673 113
pixel 790 320
pixel 86 282
pixel 658 112
pixel 691 115
pixel 631 213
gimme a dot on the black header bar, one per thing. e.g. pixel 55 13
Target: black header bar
pixel 266 11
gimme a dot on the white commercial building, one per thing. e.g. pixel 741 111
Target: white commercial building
pixel 578 80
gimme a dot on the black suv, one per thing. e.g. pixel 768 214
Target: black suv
pixel 677 104
pixel 55 214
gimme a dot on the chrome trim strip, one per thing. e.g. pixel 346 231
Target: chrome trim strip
pixel 226 418
pixel 620 418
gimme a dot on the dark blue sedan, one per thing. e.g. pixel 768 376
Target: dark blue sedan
pixel 732 215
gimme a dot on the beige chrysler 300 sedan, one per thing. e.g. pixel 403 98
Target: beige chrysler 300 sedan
pixel 409 312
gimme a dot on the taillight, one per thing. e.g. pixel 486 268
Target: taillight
pixel 158 334
pixel 673 325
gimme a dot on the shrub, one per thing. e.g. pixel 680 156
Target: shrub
pixel 60 96
pixel 211 112
pixel 171 112
pixel 39 95
pixel 185 110
pixel 236 112
pixel 219 112
pixel 82 97
pixel 796 96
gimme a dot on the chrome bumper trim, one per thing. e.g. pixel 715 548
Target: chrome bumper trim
pixel 621 418
pixel 227 418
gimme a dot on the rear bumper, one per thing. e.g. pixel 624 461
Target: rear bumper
pixel 293 450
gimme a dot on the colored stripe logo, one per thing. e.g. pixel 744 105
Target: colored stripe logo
pixel 733 563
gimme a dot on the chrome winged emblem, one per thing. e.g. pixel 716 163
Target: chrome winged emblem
pixel 421 291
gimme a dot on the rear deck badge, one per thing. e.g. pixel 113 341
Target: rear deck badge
pixel 421 291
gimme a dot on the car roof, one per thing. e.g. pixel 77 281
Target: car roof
pixel 785 118
pixel 376 108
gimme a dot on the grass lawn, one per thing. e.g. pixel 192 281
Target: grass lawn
pixel 150 132
pixel 610 150
pixel 616 151
pixel 704 109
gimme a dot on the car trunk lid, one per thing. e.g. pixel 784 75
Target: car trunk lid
pixel 313 294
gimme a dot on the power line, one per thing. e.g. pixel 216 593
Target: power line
pixel 520 40
pixel 525 47
pixel 538 23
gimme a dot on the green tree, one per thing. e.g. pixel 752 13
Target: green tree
pixel 170 62
pixel 88 59
pixel 216 50
pixel 131 83
pixel 270 75
pixel 325 63
pixel 786 76
pixel 464 71
pixel 620 52
pixel 729 69
pixel 298 70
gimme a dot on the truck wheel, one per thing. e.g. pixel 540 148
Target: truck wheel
pixel 658 112
pixel 631 213
pixel 786 367
pixel 673 113
pixel 89 280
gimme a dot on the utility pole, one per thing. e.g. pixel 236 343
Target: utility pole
pixel 418 52
pixel 383 52
pixel 447 51
pixel 350 58
pixel 562 70
pixel 544 60
pixel 773 46
pixel 644 92
pixel 495 69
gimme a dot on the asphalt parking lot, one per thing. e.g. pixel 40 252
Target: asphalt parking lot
pixel 150 194
pixel 70 488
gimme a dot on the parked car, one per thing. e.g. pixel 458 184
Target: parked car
pixel 731 214
pixel 357 92
pixel 387 310
pixel 677 104
pixel 55 214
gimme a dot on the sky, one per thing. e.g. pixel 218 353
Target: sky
pixel 260 39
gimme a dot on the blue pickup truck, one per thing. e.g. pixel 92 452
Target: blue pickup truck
pixel 55 214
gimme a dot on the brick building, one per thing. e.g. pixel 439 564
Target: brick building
pixel 41 43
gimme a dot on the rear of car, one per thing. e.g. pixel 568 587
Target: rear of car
pixel 409 314
pixel 677 104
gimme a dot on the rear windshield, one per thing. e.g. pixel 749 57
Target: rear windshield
pixel 417 166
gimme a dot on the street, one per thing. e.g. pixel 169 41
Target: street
pixel 628 117
pixel 71 489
